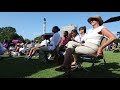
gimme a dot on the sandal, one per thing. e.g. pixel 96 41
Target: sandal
pixel 73 64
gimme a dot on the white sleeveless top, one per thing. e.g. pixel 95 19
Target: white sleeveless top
pixel 93 35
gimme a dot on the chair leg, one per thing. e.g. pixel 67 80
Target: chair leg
pixel 81 67
pixel 93 64
pixel 104 60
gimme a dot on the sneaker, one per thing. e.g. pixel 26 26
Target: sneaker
pixel 74 64
pixel 28 57
pixel 10 55
pixel 1 58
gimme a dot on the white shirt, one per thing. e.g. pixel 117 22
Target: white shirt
pixel 37 44
pixel 54 41
pixel 93 35
pixel 44 42
pixel 77 38
pixel 83 38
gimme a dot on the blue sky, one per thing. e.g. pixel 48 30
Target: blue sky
pixel 30 24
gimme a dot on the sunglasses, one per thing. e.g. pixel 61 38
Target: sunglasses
pixel 94 19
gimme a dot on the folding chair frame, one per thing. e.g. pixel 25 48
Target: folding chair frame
pixel 93 59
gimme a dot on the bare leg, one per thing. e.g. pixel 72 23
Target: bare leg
pixel 31 50
pixel 75 59
pixel 34 51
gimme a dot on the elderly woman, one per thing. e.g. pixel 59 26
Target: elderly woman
pixel 91 45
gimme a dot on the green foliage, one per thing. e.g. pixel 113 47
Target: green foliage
pixel 116 50
pixel 26 40
pixel 39 38
pixel 117 40
pixel 9 33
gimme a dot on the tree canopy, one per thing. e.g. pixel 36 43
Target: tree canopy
pixel 9 33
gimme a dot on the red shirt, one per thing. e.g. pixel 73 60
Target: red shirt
pixel 64 41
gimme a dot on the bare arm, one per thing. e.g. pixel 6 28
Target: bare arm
pixel 111 38
pixel 60 43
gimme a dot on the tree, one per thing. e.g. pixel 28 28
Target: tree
pixel 39 38
pixel 117 40
pixel 9 33
pixel 26 40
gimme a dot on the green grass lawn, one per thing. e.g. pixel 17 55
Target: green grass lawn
pixel 17 67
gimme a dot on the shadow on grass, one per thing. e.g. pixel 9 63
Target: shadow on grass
pixel 109 70
pixel 17 67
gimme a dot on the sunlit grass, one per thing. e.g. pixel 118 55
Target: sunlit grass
pixel 17 67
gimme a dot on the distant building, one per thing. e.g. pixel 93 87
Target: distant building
pixel 68 28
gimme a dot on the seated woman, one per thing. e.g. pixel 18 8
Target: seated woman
pixel 91 45
pixel 54 42
pixel 75 36
pixel 63 41
pixel 37 47
pixel 77 40
pixel 83 34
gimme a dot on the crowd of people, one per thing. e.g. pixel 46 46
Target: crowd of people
pixel 71 44
pixel 19 48
pixel 91 43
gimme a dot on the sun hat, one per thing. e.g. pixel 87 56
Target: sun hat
pixel 98 18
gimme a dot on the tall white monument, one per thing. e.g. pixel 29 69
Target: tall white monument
pixel 44 26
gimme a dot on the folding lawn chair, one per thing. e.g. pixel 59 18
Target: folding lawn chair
pixel 90 58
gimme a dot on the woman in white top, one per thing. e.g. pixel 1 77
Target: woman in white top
pixel 82 38
pixel 53 43
pixel 83 34
pixel 75 39
pixel 91 44
pixel 75 36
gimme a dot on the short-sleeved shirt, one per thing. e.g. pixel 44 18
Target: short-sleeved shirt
pixel 77 38
pixel 83 38
pixel 54 41
pixel 64 41
pixel 44 42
